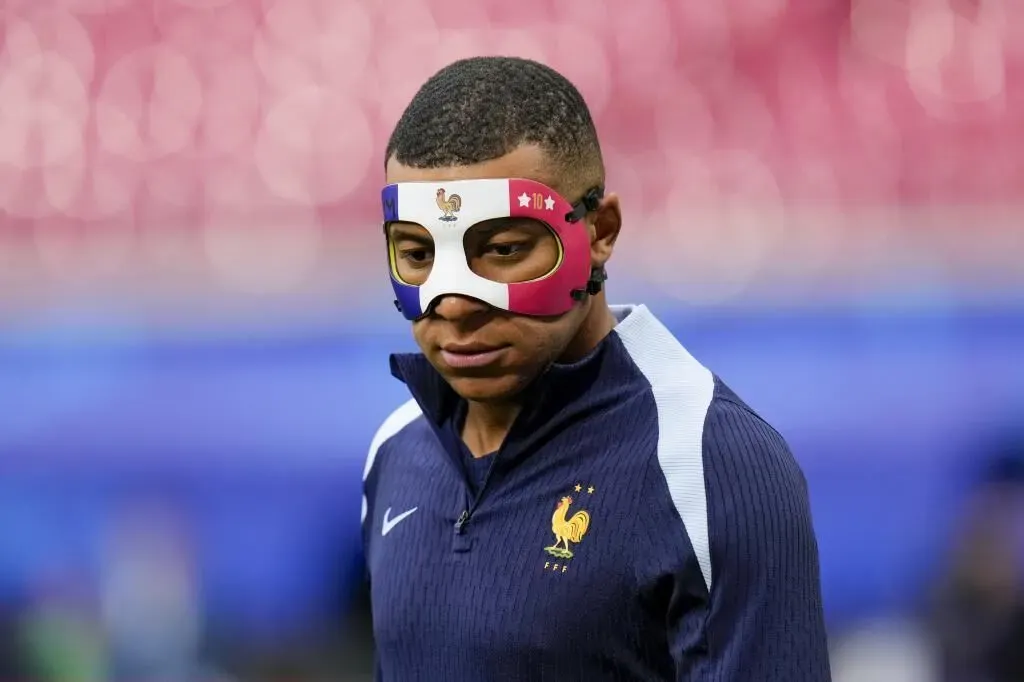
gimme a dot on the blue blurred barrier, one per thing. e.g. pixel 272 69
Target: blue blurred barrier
pixel 259 441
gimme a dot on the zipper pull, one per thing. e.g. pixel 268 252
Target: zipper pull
pixel 461 522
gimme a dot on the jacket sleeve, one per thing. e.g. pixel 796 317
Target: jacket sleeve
pixel 368 511
pixel 752 609
pixel 391 426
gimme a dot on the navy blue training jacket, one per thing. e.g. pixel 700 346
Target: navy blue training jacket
pixel 640 522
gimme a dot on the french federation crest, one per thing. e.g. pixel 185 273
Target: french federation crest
pixel 567 529
pixel 449 205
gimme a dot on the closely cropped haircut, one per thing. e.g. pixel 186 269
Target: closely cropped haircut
pixel 482 108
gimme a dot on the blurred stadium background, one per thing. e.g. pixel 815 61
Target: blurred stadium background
pixel 823 198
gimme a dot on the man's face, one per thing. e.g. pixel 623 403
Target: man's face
pixel 484 353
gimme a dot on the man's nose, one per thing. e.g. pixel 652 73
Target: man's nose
pixel 454 307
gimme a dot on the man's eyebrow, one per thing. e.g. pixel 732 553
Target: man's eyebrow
pixel 496 225
pixel 492 226
pixel 409 231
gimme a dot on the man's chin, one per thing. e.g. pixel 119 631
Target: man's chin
pixel 487 389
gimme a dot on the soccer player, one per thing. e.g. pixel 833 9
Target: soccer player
pixel 569 495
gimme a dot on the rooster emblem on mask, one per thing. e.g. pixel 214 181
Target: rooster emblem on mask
pixel 449 205
pixel 566 530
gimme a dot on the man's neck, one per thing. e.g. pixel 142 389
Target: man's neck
pixel 487 424
pixel 598 323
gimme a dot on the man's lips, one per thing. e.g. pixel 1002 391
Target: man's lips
pixel 467 355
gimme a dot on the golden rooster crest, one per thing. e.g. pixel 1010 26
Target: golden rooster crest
pixel 449 205
pixel 567 530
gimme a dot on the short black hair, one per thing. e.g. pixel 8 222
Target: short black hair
pixel 482 108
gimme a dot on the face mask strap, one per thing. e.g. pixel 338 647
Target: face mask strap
pixel 594 284
pixel 590 201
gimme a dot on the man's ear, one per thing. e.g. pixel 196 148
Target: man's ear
pixel 607 221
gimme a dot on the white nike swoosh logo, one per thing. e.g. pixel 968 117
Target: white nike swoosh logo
pixel 389 523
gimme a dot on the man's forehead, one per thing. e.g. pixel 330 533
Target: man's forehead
pixel 528 162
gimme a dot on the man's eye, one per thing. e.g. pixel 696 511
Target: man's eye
pixel 506 250
pixel 416 255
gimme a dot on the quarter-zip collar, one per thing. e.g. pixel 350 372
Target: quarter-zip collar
pixel 563 395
